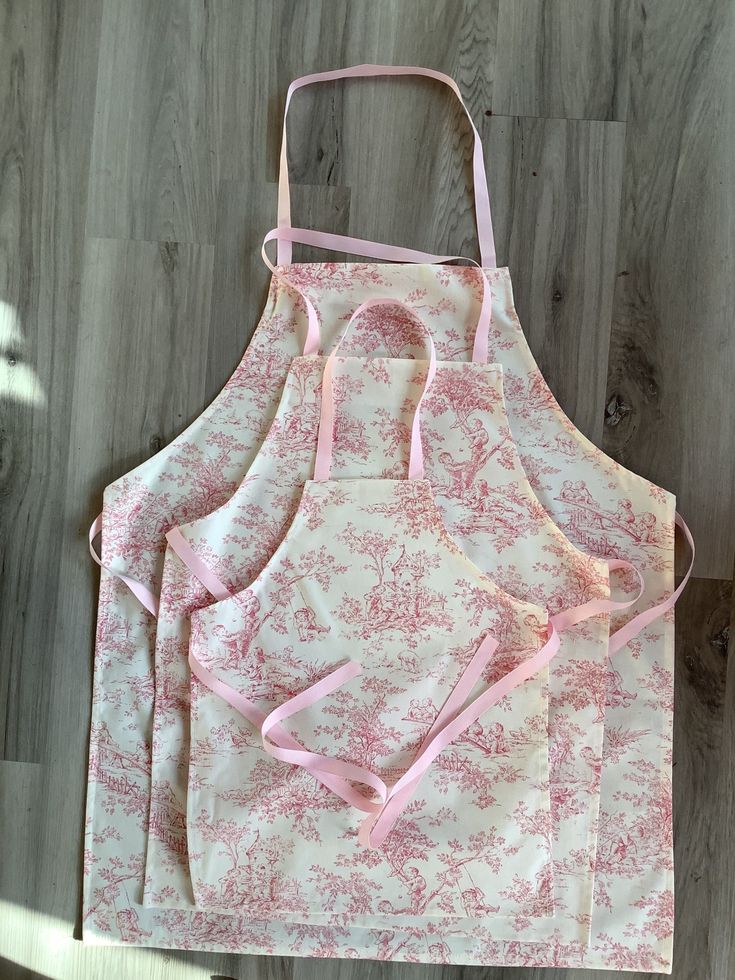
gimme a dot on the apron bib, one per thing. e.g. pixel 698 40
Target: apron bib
pixel 632 921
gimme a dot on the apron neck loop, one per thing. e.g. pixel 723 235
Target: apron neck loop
pixel 391 253
pixel 325 439
pixel 482 195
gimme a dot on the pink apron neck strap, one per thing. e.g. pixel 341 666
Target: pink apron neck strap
pixel 482 195
pixel 391 253
pixel 325 439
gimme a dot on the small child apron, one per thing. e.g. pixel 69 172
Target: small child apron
pixel 402 646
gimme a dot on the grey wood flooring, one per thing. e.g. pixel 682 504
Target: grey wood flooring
pixel 138 144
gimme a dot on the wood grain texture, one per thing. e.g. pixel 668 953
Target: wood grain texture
pixel 153 171
pixel 48 69
pixel 138 150
pixel 567 59
pixel 560 181
pixel 703 626
pixel 672 355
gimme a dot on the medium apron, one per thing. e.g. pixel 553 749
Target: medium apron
pixel 401 649
pixel 484 498
pixel 631 922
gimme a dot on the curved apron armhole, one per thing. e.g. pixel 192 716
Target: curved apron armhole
pixel 148 599
pixel 631 629
pixel 391 253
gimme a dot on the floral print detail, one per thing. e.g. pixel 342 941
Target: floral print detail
pixel 140 506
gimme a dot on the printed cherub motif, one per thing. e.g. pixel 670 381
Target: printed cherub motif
pixel 625 514
pixel 307 626
pixel 473 900
pixel 129 925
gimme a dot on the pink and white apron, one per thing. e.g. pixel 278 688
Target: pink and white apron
pixel 491 512
pixel 632 917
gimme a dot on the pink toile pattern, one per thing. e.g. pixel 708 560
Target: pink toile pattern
pixel 604 510
pixel 494 516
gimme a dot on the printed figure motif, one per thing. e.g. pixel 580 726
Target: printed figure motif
pixel 585 517
pixel 307 626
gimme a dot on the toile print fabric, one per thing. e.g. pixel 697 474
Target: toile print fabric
pixel 494 516
pixel 603 509
pixel 397 600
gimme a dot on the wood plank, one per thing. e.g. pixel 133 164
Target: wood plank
pixel 703 620
pixel 48 67
pixel 154 161
pixel 22 794
pixel 721 948
pixel 672 358
pixel 567 59
pixel 400 144
pixel 145 305
pixel 559 181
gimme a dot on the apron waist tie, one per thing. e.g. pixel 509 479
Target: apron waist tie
pixel 451 721
pixel 148 599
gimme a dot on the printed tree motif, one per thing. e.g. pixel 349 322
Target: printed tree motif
pixel 498 617
pixel 228 833
pixel 453 345
pixel 276 791
pixel 406 842
pixel 317 565
pixel 659 908
pixel 530 396
pixel 443 305
pixel 395 434
pixel 355 889
pixel 137 529
pixel 619 740
pixel 398 602
pixel 532 898
pixel 485 847
pixel 660 682
pixel 335 277
pixel 113 893
pixel 411 510
pixel 625 956
pixel 459 393
pixel 262 375
pixel 455 770
pixel 651 826
pixel 389 329
pixel 585 684
pixel 362 727
pixel 265 534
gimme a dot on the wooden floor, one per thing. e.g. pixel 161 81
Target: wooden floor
pixel 138 141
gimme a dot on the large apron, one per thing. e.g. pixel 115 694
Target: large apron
pixel 603 508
